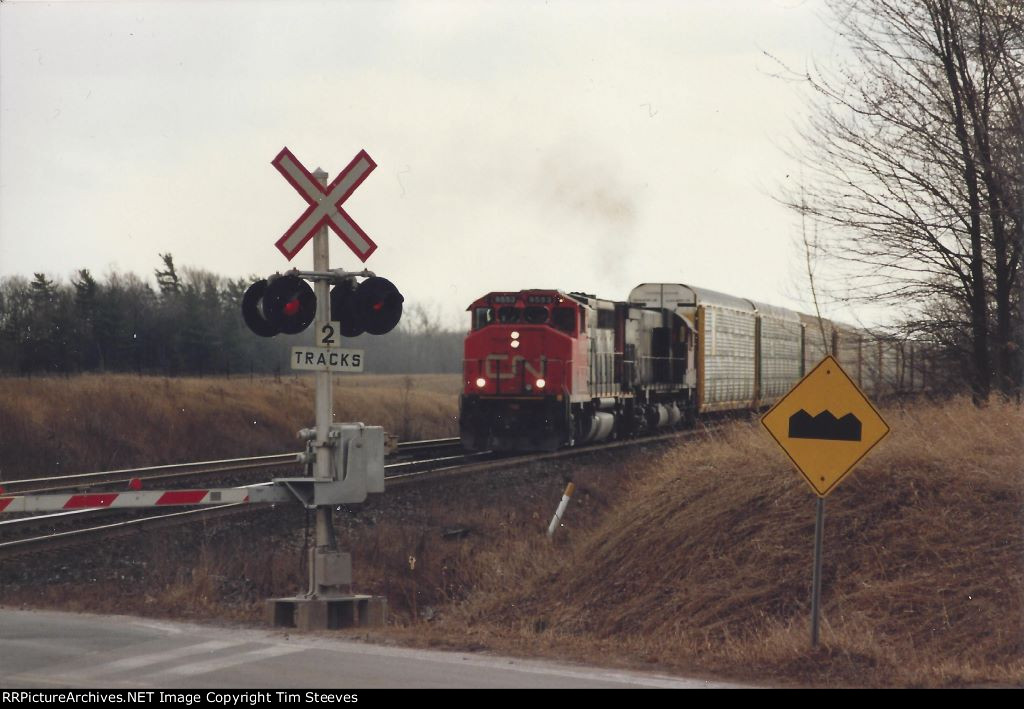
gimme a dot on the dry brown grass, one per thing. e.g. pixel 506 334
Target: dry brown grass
pixel 50 426
pixel 707 563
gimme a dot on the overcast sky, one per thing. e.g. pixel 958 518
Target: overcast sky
pixel 574 145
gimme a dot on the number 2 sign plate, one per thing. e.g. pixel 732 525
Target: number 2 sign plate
pixel 328 356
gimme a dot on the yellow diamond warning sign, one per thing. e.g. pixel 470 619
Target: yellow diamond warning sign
pixel 826 425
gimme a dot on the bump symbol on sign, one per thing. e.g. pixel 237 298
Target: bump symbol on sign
pixel 325 204
pixel 825 426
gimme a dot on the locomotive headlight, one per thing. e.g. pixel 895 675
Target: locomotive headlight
pixel 541 383
pixel 481 382
pixel 515 334
pixel 515 344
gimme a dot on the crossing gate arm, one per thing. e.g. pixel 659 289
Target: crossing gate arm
pixel 265 493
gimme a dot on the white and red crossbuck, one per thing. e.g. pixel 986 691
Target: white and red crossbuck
pixel 325 204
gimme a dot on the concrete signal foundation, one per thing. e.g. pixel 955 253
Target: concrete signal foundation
pixel 327 613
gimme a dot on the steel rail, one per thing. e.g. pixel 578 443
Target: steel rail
pixel 19 523
pixel 402 479
pixel 153 472
pixel 429 443
pixel 178 470
pixel 71 537
pixel 497 462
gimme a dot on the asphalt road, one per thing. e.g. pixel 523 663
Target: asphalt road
pixel 45 649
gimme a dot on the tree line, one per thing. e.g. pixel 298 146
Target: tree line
pixel 912 174
pixel 189 324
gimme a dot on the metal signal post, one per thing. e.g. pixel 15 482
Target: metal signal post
pixel 325 537
pixel 819 530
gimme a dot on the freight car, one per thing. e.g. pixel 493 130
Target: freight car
pixel 545 368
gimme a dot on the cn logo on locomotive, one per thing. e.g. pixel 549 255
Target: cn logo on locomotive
pixel 493 366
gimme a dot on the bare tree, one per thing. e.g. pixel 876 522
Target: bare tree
pixel 810 246
pixel 913 162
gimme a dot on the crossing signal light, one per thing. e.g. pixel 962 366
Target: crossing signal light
pixel 287 304
pixel 252 310
pixel 344 309
pixel 284 305
pixel 374 306
pixel 380 305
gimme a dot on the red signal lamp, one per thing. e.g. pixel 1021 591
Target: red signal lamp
pixel 284 305
pixel 379 304
pixel 374 306
pixel 289 304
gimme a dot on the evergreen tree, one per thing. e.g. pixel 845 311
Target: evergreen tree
pixel 167 279
pixel 85 346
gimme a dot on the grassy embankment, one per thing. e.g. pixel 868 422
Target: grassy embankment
pixel 694 559
pixel 706 563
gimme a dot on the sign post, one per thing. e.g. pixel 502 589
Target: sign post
pixel 819 531
pixel 325 539
pixel 826 425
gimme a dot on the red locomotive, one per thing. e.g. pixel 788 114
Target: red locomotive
pixel 545 369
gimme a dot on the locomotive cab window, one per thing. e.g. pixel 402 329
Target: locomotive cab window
pixel 564 319
pixel 509 315
pixel 535 314
pixel 482 317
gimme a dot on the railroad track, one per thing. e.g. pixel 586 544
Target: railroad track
pixel 22 534
pixel 428 461
pixel 490 461
pixel 161 473
pixel 203 470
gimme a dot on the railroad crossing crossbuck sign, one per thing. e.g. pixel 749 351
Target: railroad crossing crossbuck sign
pixel 325 204
pixel 826 425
